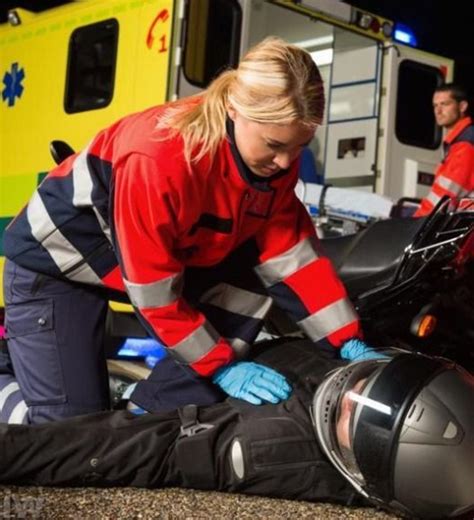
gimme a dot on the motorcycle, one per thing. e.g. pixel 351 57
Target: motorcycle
pixel 411 280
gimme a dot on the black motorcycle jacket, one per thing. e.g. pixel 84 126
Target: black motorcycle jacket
pixel 192 447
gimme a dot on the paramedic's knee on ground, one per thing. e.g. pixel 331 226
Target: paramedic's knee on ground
pixel 55 332
pixel 13 409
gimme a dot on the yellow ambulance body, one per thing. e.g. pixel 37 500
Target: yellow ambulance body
pixel 34 59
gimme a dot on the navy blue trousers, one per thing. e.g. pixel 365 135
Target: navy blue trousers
pixel 55 335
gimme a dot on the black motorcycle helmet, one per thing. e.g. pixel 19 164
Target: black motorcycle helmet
pixel 401 431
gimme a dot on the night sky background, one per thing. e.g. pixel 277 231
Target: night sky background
pixel 441 27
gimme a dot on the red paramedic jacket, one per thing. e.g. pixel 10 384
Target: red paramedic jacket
pixel 455 175
pixel 128 213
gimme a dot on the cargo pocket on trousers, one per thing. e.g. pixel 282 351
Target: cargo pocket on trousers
pixel 33 348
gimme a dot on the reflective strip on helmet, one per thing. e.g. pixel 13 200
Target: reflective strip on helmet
pixel 63 253
pixel 238 301
pixel 329 319
pixel 196 345
pixel 83 186
pixel 280 267
pixel 155 294
pixel 451 186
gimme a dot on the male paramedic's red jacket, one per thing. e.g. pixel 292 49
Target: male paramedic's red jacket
pixel 455 175
pixel 128 213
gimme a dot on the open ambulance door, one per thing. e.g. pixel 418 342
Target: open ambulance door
pixel 378 131
pixel 345 145
pixel 353 111
pixel 410 142
pixel 209 42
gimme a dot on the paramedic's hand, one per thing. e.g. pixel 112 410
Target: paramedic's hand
pixel 252 382
pixel 356 350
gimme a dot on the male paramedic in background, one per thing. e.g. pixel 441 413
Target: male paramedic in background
pixel 455 175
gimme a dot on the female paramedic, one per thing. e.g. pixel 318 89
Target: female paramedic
pixel 190 209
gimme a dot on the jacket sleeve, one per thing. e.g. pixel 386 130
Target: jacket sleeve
pixel 455 177
pixel 145 231
pixel 301 279
pixel 95 452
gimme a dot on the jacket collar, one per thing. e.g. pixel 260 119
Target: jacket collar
pixel 461 125
pixel 255 181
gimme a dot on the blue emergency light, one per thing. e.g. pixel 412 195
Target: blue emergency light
pixel 404 34
pixel 147 348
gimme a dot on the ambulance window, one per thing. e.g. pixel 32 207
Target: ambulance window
pixel 91 66
pixel 415 123
pixel 212 39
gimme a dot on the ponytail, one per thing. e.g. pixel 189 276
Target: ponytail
pixel 200 120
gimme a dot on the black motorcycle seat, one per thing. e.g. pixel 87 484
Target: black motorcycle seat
pixel 370 258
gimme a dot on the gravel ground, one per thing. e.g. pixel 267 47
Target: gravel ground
pixel 131 503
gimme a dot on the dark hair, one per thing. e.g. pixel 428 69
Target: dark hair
pixel 458 92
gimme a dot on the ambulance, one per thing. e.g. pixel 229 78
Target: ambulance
pixel 69 71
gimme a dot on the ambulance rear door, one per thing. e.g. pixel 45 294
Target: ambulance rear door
pixel 410 142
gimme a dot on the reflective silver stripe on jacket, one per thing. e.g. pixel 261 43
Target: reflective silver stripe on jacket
pixel 329 319
pixel 280 267
pixel 433 198
pixel 239 346
pixel 155 294
pixel 63 253
pixel 450 185
pixel 83 186
pixel 196 345
pixel 238 301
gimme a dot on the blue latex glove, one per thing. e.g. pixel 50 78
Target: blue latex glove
pixel 252 382
pixel 356 350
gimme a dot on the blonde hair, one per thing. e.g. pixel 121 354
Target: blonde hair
pixel 275 83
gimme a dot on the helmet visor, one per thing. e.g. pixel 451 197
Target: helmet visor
pixel 336 408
